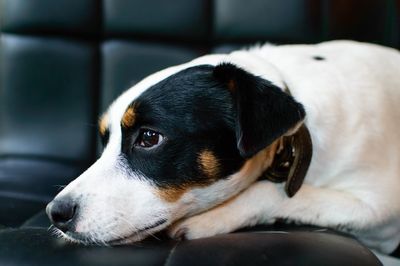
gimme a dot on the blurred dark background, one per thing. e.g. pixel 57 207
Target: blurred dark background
pixel 63 61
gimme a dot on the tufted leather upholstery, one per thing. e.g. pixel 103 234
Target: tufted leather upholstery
pixel 63 61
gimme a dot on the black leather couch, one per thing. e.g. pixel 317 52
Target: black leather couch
pixel 63 61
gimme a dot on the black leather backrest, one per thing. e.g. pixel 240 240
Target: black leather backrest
pixel 49 86
pixel 63 61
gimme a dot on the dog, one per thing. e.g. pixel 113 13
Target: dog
pixel 186 148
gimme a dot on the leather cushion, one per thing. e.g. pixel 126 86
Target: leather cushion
pixel 40 219
pixel 265 20
pixel 36 246
pixel 49 16
pixel 155 18
pixel 47 97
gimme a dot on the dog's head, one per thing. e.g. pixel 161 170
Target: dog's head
pixel 176 144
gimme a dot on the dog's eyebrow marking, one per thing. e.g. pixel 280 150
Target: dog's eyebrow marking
pixel 129 117
pixel 103 124
pixel 209 164
pixel 318 57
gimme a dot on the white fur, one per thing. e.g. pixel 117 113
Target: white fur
pixel 351 100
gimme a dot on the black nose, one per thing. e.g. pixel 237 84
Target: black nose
pixel 61 213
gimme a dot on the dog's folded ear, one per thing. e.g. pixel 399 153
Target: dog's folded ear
pixel 263 111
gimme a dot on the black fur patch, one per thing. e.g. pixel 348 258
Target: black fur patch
pixel 196 110
pixel 318 58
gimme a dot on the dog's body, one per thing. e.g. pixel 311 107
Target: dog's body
pixel 350 93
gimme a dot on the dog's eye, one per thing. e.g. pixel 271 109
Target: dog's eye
pixel 148 139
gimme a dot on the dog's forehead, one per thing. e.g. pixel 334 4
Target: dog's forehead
pixel 120 105
pixel 171 87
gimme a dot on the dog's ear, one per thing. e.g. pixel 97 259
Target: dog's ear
pixel 263 111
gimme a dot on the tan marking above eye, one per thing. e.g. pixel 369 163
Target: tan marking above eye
pixel 209 164
pixel 103 124
pixel 129 117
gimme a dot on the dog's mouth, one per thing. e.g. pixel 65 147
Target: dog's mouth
pixel 139 234
pixel 135 236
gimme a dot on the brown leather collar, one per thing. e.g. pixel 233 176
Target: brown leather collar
pixel 291 160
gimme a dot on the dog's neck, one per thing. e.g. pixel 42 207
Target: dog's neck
pixel 287 160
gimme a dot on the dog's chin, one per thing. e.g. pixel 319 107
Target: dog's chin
pixel 136 237
pixel 132 237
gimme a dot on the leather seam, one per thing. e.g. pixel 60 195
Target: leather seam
pixel 172 251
